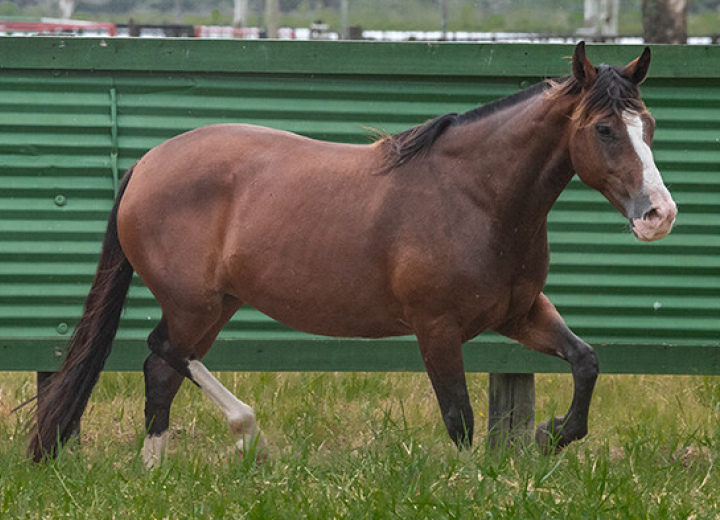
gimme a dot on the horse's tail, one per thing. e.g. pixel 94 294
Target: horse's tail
pixel 62 400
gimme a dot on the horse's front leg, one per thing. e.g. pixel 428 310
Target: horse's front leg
pixel 544 330
pixel 440 347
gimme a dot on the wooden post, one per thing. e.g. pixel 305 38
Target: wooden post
pixel 240 13
pixel 272 16
pixel 511 416
pixel 443 19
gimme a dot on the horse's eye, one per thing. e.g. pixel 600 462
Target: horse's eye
pixel 604 131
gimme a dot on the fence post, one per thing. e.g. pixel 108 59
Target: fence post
pixel 511 415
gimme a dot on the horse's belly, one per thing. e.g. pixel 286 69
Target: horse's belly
pixel 332 315
pixel 337 293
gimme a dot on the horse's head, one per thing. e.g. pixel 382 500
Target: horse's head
pixel 610 142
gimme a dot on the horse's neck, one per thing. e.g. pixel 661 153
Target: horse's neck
pixel 517 159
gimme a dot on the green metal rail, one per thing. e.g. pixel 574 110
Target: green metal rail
pixel 76 112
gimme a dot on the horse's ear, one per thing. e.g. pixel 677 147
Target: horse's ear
pixel 637 69
pixel 583 70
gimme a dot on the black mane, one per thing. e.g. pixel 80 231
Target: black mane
pixel 405 145
pixel 612 93
pixel 503 103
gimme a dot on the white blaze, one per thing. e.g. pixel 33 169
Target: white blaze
pixel 659 221
pixel 652 181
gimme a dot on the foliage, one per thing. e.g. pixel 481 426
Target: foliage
pixel 705 23
pixel 372 446
pixel 9 9
pixel 547 16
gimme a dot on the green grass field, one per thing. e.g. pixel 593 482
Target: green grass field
pixel 372 446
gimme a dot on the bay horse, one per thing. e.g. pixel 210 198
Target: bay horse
pixel 439 231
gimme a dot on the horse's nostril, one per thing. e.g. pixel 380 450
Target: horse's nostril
pixel 652 214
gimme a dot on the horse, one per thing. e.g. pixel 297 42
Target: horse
pixel 439 231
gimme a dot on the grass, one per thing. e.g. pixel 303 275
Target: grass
pixel 372 446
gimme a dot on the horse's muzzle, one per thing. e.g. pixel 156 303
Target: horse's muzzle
pixel 657 221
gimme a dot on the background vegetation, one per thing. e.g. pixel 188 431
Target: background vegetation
pixel 558 17
pixel 372 446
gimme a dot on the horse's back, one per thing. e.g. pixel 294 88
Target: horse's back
pixel 245 154
pixel 269 217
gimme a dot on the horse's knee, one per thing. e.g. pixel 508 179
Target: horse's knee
pixel 159 344
pixel 589 366
pixel 584 362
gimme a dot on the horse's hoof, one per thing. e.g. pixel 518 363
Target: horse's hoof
pixel 548 436
pixel 253 447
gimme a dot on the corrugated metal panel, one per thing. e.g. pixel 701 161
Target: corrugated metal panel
pixel 55 188
pixel 75 113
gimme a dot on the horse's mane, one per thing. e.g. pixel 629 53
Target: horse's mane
pixel 402 147
pixel 612 93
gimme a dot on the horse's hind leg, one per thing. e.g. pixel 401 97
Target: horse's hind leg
pixel 543 329
pixel 161 385
pixel 172 359
pixel 240 416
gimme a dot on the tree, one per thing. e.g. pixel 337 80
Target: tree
pixel 67 7
pixel 664 21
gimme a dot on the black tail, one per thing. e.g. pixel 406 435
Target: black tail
pixel 62 401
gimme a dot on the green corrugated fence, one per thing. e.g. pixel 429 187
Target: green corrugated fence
pixel 76 112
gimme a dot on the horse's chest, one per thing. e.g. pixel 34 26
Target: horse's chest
pixel 505 282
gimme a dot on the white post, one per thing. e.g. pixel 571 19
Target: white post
pixel 591 14
pixel 240 13
pixel 610 10
pixel 443 18
pixel 344 19
pixel 272 8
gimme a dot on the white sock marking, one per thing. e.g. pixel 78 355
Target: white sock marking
pixel 154 448
pixel 240 416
